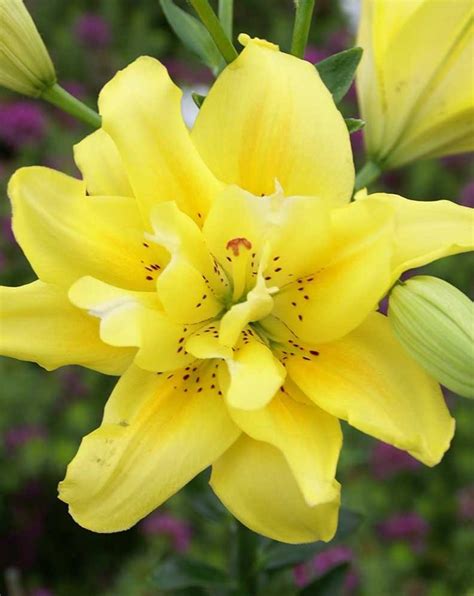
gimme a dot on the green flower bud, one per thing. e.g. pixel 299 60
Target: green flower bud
pixel 25 65
pixel 434 322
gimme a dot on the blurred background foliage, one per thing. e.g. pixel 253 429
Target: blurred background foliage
pixel 416 537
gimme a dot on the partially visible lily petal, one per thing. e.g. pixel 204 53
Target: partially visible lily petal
pixel 309 438
pixel 66 234
pixel 256 485
pixel 426 230
pixel 101 166
pixel 39 324
pixel 141 111
pixel 157 434
pixel 269 117
pixel 369 380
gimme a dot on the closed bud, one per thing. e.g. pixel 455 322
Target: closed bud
pixel 25 65
pixel 434 321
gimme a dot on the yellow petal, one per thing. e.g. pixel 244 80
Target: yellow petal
pixel 153 440
pixel 331 302
pixel 269 117
pixel 141 111
pixel 368 379
pixel 66 234
pixel 101 166
pixel 255 374
pixel 411 116
pixel 134 319
pixel 427 230
pixel 38 323
pixel 309 438
pixel 255 483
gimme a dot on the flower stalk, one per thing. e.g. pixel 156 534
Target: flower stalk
pixel 216 30
pixel 226 16
pixel 60 98
pixel 244 559
pixel 368 174
pixel 304 14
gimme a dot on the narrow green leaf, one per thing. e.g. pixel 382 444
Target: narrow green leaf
pixel 330 584
pixel 198 99
pixel 354 124
pixel 177 574
pixel 277 555
pixel 337 71
pixel 193 34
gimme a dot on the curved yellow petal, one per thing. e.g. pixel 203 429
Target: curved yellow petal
pixel 156 435
pixel 101 166
pixel 39 324
pixel 427 230
pixel 141 111
pixel 268 118
pixel 331 302
pixel 134 319
pixel 368 379
pixel 255 483
pixel 66 234
pixel 309 438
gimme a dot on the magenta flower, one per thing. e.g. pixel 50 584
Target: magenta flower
pixel 20 435
pixel 92 31
pixel 405 527
pixel 322 563
pixel 21 123
pixel 467 195
pixel 465 502
pixel 387 461
pixel 166 524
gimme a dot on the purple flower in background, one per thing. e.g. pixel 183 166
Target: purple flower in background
pixel 406 527
pixel 188 74
pixel 322 563
pixel 314 54
pixel 465 501
pixel 20 435
pixel 387 461
pixel 6 232
pixel 165 524
pixel 21 123
pixel 467 195
pixel 41 592
pixel 93 31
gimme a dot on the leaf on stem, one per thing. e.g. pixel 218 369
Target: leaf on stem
pixel 353 124
pixel 178 574
pixel 338 71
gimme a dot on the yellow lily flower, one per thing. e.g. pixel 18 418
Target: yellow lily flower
pixel 224 272
pixel 416 80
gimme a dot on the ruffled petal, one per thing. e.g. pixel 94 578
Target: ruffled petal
pixel 141 111
pixel 269 117
pixel 66 234
pixel 156 435
pixel 309 438
pixel 255 483
pixel 368 379
pixel 101 166
pixel 426 230
pixel 39 324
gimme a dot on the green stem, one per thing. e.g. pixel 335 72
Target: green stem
pixel 212 24
pixel 304 14
pixel 226 16
pixel 370 172
pixel 244 562
pixel 68 103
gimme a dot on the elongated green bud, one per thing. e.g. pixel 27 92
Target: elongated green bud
pixel 434 321
pixel 25 65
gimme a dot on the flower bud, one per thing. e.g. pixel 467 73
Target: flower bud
pixel 25 65
pixel 434 321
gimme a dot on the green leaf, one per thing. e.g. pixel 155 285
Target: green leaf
pixel 193 34
pixel 198 99
pixel 330 584
pixel 354 124
pixel 277 555
pixel 177 574
pixel 338 70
